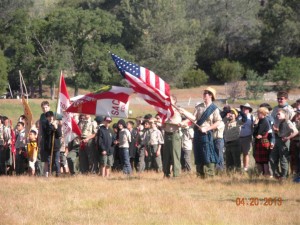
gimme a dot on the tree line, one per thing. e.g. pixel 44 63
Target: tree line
pixel 187 43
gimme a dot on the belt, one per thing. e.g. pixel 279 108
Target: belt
pixel 246 136
pixel 228 142
pixel 167 132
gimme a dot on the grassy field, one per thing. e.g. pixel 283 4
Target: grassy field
pixel 142 199
pixel 146 199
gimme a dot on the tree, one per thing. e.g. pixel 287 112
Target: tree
pixel 227 71
pixel 280 30
pixel 161 35
pixel 286 73
pixel 255 85
pixel 83 38
pixel 3 73
pixel 16 33
pixel 231 29
pixel 194 78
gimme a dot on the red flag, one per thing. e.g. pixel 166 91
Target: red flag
pixel 70 127
pixel 147 84
pixel 108 101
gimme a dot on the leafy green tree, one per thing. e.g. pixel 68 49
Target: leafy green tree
pixel 84 38
pixel 280 30
pixel 286 73
pixel 231 29
pixel 161 36
pixel 194 78
pixel 255 85
pixel 16 34
pixel 3 73
pixel 227 71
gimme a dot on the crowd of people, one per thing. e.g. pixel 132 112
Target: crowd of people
pixel 222 141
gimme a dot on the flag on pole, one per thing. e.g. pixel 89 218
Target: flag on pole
pixel 147 85
pixel 28 115
pixel 70 128
pixel 108 101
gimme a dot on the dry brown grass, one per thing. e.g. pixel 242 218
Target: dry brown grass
pixel 145 199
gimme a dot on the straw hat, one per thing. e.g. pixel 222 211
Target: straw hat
pixel 235 112
pixel 247 105
pixel 212 91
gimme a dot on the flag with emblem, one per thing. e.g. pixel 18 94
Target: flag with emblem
pixel 108 101
pixel 147 85
pixel 28 115
pixel 70 128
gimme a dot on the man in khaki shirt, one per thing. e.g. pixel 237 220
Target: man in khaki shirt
pixel 172 145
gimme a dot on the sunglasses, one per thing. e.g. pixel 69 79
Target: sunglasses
pixel 206 93
pixel 280 99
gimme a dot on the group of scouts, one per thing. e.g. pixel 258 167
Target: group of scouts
pixel 221 141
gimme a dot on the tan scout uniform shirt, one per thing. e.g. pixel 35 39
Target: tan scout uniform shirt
pixel 156 137
pixel 219 132
pixel 213 118
pixel 171 125
pixel 87 128
pixel 187 138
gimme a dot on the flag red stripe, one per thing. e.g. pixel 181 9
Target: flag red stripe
pixel 146 91
pixel 63 86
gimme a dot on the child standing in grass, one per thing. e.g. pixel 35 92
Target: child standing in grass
pixel 262 141
pixel 124 140
pixel 187 145
pixel 20 148
pixel 154 150
pixel 32 148
pixel 285 130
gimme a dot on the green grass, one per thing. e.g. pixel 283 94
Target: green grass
pixel 13 108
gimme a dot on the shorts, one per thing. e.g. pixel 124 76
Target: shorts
pixel 32 164
pixel 107 160
pixel 63 159
pixel 246 144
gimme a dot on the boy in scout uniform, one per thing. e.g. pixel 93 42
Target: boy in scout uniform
pixel 86 153
pixel 155 141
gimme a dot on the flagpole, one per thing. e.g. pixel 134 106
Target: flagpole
pixel 24 86
pixel 53 135
pixel 185 116
pixel 21 86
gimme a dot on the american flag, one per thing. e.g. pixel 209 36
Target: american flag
pixel 147 85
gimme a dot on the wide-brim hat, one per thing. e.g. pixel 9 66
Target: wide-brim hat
pixel 235 112
pixel 247 105
pixel 212 91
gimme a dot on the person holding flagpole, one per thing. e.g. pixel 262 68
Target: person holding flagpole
pixel 172 142
pixel 207 117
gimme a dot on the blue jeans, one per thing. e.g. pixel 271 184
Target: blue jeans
pixel 125 160
pixel 55 162
pixel 219 146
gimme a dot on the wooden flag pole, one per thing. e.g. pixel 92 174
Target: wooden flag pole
pixel 190 119
pixel 53 135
